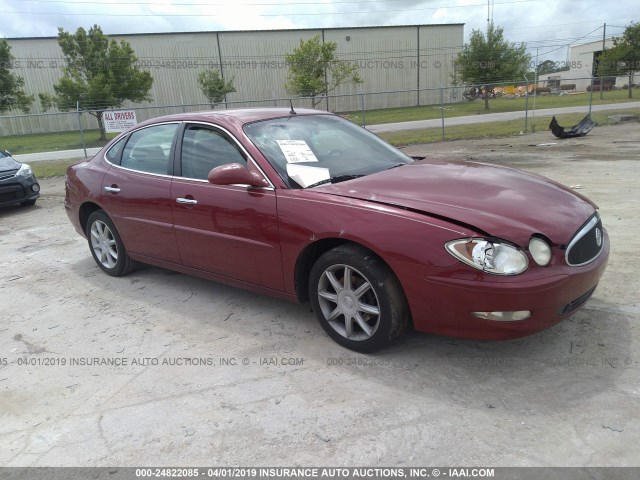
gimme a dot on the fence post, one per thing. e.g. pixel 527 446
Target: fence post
pixel 84 146
pixel 535 85
pixel 604 36
pixel 591 93
pixel 364 123
pixel 526 106
pixel 442 109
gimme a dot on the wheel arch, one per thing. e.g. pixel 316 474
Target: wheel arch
pixel 85 210
pixel 312 252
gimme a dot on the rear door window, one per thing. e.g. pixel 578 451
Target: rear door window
pixel 148 150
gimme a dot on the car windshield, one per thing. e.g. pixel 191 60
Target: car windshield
pixel 309 150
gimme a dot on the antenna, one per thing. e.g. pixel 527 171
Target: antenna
pixel 292 111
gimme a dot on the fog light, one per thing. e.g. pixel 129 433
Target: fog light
pixel 35 187
pixel 540 251
pixel 504 316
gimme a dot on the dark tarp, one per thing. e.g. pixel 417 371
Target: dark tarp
pixel 582 128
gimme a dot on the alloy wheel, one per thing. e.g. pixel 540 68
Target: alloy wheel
pixel 349 302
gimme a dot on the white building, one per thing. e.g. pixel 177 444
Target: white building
pixel 582 65
pixel 400 59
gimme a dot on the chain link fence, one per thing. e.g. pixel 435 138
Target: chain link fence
pixel 430 114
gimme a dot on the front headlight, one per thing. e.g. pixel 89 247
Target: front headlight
pixel 25 171
pixel 489 255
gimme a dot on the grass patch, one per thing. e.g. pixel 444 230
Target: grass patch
pixel 52 168
pixel 476 107
pixel 492 130
pixel 49 142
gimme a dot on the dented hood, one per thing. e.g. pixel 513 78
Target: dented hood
pixel 500 201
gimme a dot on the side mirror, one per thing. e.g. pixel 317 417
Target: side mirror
pixel 236 174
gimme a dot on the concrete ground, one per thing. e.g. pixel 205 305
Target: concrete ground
pixel 205 374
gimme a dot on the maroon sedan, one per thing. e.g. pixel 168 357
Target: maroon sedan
pixel 308 206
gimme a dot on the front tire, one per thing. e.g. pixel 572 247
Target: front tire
pixel 358 300
pixel 106 245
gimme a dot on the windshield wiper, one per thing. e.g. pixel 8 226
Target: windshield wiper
pixel 337 179
pixel 396 165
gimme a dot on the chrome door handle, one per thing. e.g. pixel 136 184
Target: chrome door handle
pixel 186 201
pixel 112 189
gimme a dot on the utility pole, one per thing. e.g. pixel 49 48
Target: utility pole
pixel 604 34
pixel 488 15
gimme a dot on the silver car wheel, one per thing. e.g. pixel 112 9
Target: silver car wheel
pixel 104 244
pixel 349 302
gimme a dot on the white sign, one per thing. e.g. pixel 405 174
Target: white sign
pixel 296 151
pixel 119 120
pixel 305 175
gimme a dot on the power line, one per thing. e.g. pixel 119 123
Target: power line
pixel 565 46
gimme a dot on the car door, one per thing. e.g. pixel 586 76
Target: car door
pixel 229 230
pixel 136 191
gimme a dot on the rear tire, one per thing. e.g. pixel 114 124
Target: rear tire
pixel 358 300
pixel 106 245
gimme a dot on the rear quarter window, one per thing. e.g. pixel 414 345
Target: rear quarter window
pixel 114 154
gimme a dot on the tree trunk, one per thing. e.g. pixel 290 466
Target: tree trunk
pixel 630 84
pixel 103 132
pixel 101 128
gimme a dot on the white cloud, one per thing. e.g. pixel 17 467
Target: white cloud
pixel 547 25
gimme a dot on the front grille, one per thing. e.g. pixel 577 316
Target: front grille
pixel 587 243
pixel 6 175
pixel 10 193
pixel 571 306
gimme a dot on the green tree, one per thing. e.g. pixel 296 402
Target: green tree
pixel 99 73
pixel 624 57
pixel 12 94
pixel 214 87
pixel 549 66
pixel 487 60
pixel 315 71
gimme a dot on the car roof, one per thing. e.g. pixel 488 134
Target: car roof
pixel 238 116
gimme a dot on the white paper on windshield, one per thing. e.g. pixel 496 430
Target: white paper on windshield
pixel 304 175
pixel 296 151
